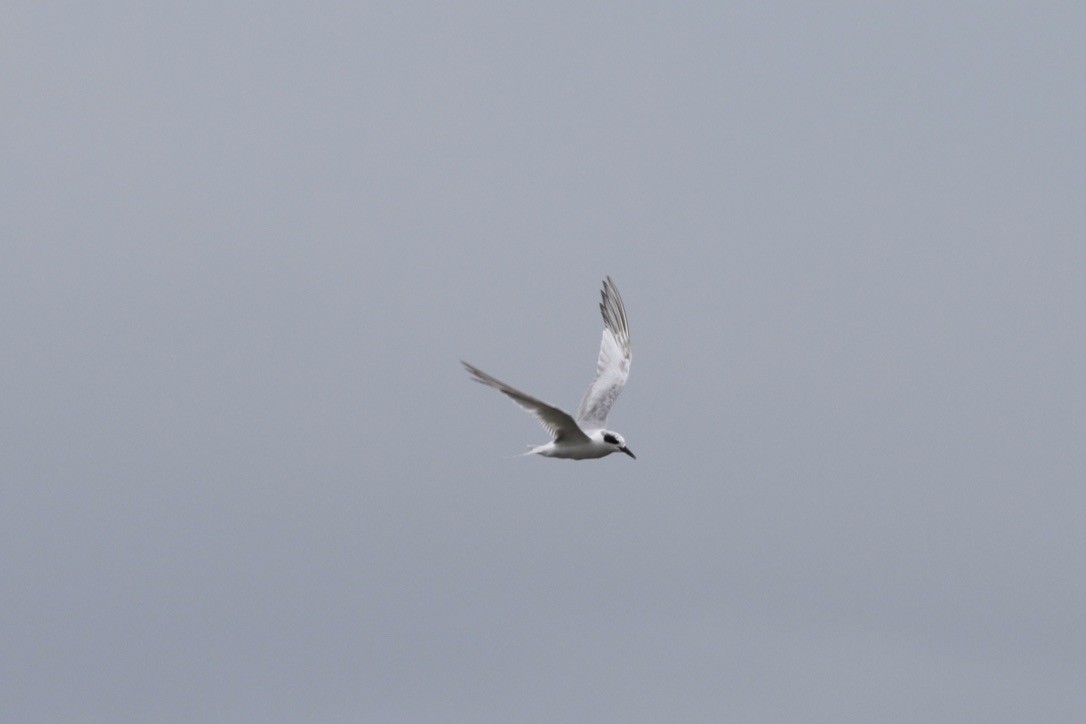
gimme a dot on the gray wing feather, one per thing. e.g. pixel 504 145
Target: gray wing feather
pixel 613 364
pixel 559 424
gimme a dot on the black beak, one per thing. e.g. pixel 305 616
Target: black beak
pixel 627 451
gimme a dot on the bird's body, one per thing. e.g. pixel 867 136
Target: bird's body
pixel 594 447
pixel 583 438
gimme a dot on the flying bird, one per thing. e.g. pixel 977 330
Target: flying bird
pixel 586 436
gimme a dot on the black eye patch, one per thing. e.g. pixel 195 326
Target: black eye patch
pixel 608 437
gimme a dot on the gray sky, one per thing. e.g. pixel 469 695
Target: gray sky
pixel 246 478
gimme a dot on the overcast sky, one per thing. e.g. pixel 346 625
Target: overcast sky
pixel 245 477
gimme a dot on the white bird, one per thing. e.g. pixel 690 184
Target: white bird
pixel 586 436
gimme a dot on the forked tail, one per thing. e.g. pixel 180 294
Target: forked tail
pixel 532 450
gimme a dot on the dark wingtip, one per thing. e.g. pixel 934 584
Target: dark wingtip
pixel 475 372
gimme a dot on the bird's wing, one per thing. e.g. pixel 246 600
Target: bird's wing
pixel 559 424
pixel 613 365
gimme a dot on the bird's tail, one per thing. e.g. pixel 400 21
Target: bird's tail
pixel 532 450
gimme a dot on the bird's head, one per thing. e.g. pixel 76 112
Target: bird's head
pixel 613 438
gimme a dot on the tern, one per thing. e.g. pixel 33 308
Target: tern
pixel 585 437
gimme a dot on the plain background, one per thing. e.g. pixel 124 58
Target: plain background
pixel 246 479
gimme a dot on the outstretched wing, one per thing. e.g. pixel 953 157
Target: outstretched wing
pixel 613 365
pixel 559 424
